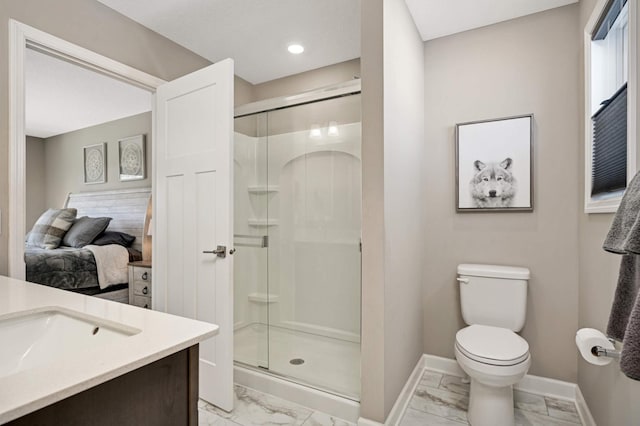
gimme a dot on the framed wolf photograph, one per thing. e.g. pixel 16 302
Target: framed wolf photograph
pixel 494 165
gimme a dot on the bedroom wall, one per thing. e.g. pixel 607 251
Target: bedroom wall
pixel 36 180
pixel 92 25
pixel 611 396
pixel 64 157
pixel 497 71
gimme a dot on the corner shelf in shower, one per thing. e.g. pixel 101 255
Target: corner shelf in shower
pixel 263 189
pixel 263 222
pixel 263 297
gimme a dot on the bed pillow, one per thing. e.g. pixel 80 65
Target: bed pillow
pixel 84 230
pixel 50 228
pixel 114 237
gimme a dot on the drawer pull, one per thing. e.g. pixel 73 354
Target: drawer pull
pixel 145 276
pixel 145 290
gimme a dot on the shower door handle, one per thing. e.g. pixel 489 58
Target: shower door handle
pixel 220 251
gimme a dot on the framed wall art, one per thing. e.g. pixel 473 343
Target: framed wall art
pixel 131 154
pixel 95 163
pixel 494 165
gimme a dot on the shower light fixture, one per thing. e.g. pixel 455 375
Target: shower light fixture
pixel 315 132
pixel 295 49
pixel 333 129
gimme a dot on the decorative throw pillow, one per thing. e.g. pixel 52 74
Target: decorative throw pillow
pixel 114 237
pixel 84 230
pixel 50 228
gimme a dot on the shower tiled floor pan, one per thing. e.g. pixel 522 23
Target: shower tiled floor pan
pixel 322 362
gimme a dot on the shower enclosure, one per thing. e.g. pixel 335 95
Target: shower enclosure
pixel 297 237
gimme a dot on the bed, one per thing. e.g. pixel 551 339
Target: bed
pixel 75 269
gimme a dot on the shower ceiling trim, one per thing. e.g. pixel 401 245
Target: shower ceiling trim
pixel 350 87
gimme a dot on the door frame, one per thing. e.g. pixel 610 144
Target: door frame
pixel 21 37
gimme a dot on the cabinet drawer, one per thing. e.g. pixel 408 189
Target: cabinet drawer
pixel 141 274
pixel 142 288
pixel 142 301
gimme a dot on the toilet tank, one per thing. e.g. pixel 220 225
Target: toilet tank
pixel 493 295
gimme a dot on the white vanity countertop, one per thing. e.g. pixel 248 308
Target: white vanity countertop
pixel 161 335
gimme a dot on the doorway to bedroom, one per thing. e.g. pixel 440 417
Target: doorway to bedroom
pixel 200 114
pixel 87 134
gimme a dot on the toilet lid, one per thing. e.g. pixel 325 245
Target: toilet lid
pixel 492 345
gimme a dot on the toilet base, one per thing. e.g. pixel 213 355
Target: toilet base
pixel 490 406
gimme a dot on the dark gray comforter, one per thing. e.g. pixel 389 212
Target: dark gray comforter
pixel 65 268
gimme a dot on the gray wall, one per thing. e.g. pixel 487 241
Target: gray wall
pixel 393 152
pixel 502 70
pixel 611 396
pixel 372 405
pixel 404 195
pixel 96 27
pixel 64 157
pixel 36 180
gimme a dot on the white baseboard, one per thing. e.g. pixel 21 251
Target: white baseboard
pixel 366 422
pixel 547 387
pixel 583 410
pixel 530 383
pixel 442 365
pixel 533 384
pixel 402 402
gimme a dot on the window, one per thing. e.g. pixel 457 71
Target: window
pixel 610 160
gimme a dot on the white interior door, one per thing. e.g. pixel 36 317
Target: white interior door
pixel 193 214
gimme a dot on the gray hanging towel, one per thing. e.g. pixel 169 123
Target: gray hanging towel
pixel 625 297
pixel 624 238
pixel 624 235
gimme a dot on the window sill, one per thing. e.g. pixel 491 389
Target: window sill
pixel 604 203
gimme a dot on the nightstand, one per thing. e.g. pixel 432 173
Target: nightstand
pixel 140 284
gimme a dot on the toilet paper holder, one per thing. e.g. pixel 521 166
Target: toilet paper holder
pixel 603 352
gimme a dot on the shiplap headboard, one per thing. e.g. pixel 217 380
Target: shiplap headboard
pixel 126 207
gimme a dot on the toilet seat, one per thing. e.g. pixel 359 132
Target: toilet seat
pixel 492 345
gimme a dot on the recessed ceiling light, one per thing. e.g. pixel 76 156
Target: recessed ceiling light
pixel 296 49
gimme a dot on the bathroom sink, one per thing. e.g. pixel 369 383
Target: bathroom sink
pixel 46 335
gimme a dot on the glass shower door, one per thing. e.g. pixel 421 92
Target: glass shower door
pixel 314 171
pixel 251 213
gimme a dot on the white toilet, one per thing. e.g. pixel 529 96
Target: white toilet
pixel 494 301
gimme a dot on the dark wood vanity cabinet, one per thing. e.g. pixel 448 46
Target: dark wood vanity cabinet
pixel 164 392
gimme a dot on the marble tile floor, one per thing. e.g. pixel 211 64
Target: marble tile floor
pixel 439 400
pixel 442 400
pixel 253 408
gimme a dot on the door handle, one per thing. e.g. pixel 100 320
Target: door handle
pixel 220 251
